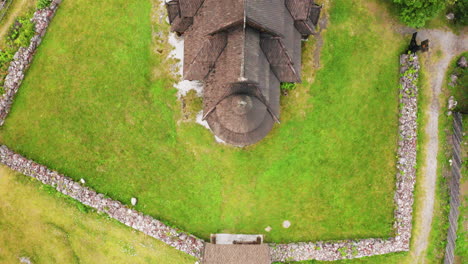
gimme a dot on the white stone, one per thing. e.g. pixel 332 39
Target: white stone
pixel 134 201
pixel 82 181
pixel 452 103
pixel 268 228
pixel 286 224
pixel 25 260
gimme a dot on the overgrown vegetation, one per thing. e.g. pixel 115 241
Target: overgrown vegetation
pixel 105 111
pixel 36 224
pixel 43 3
pixel 19 35
pixel 458 87
pixel 415 13
pixel 460 10
pixel 288 86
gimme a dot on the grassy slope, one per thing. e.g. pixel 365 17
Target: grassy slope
pixel 91 109
pixel 49 229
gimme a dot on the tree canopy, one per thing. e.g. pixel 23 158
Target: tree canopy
pixel 415 13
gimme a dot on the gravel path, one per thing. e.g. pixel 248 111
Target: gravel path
pixel 451 45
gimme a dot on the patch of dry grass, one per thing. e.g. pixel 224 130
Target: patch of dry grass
pixel 49 229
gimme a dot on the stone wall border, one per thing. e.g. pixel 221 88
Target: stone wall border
pixel 405 181
pixel 115 209
pixel 23 58
pixel 322 250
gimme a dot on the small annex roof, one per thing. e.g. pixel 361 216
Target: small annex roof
pixel 236 254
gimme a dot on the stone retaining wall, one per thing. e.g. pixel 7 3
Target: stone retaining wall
pixel 23 58
pixel 115 209
pixel 406 178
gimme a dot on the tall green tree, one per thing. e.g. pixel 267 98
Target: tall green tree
pixel 415 13
pixel 460 8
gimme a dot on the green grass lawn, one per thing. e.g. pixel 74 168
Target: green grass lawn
pixel 49 229
pixel 98 104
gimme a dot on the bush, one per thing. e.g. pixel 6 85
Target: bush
pixel 43 3
pixel 20 33
pixel 415 13
pixel 288 86
pixel 5 58
pixel 460 9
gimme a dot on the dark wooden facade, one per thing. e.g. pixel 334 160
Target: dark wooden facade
pixel 242 50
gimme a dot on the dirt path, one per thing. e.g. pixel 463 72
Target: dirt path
pixel 18 7
pixel 451 45
pixel 323 24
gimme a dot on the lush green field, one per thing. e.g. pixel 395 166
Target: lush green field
pixel 49 229
pixel 98 104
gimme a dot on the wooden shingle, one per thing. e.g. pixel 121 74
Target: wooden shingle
pixel 242 50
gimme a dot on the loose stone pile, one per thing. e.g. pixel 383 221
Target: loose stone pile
pixel 406 178
pixel 115 209
pixel 23 58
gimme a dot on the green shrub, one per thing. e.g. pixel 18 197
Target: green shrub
pixel 460 9
pixel 415 13
pixel 343 251
pixel 288 86
pixel 20 33
pixel 43 3
pixel 5 58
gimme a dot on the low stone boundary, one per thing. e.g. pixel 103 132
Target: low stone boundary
pixel 189 244
pixel 115 209
pixel 454 185
pixel 405 180
pixel 23 58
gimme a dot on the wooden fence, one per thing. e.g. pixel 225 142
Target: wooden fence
pixel 454 187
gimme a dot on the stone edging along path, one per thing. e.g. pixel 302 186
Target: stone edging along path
pixel 334 250
pixel 23 58
pixel 189 244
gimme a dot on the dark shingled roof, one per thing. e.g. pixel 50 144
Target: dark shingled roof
pixel 242 50
pixel 236 254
